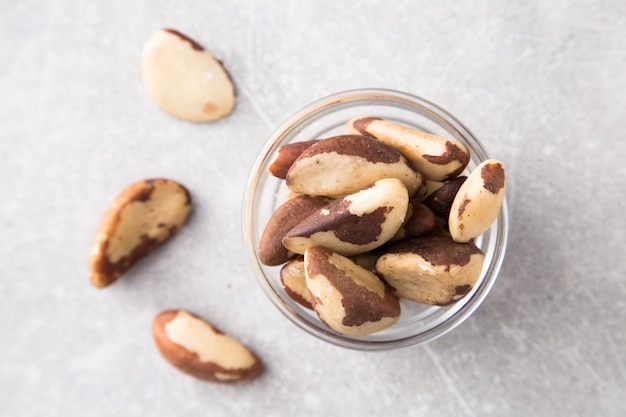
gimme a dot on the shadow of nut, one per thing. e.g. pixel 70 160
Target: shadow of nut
pixel 196 348
pixel 431 270
pixel 347 297
pixel 185 80
pixel 140 218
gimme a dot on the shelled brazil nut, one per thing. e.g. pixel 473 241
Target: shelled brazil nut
pixel 435 157
pixel 184 79
pixel 355 223
pixel 293 279
pixel 347 297
pixel 141 218
pixel 322 168
pixel 477 202
pixel 398 223
pixel 287 216
pixel 419 221
pixel 197 348
pixel 432 270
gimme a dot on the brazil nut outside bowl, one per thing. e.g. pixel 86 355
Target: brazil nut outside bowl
pixel 265 193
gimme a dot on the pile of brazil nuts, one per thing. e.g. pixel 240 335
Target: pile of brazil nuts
pixel 378 215
pixel 189 83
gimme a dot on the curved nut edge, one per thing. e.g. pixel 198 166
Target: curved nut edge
pixel 431 270
pixel 347 297
pixel 478 201
pixel 132 227
pixel 185 80
pixel 435 157
pixel 199 349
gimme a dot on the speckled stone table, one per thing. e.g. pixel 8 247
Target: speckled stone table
pixel 540 83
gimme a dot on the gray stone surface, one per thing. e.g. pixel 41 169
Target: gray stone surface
pixel 542 84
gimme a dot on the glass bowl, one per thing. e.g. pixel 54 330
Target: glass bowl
pixel 327 117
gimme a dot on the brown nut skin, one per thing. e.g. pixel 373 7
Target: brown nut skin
pixel 344 164
pixel 287 216
pixel 431 187
pixel 478 202
pixel 197 348
pixel 185 80
pixel 435 157
pixel 286 156
pixel 293 280
pixel 440 200
pixel 140 218
pixel 347 297
pixel 354 224
pixel 420 221
pixel 431 270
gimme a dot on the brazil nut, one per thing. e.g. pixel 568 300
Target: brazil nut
pixel 348 298
pixel 185 80
pixel 435 157
pixel 440 200
pixel 344 164
pixel 272 252
pixel 199 349
pixel 478 201
pixel 431 270
pixel 419 221
pixel 293 280
pixel 356 223
pixel 286 156
pixel 141 218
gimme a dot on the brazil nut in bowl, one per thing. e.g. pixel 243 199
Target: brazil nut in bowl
pixel 375 220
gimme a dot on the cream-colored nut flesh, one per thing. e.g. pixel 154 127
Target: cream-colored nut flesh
pixel 342 165
pixel 478 201
pixel 431 270
pixel 184 79
pixel 199 349
pixel 293 279
pixel 347 297
pixel 140 219
pixel 435 157
pixel 354 224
